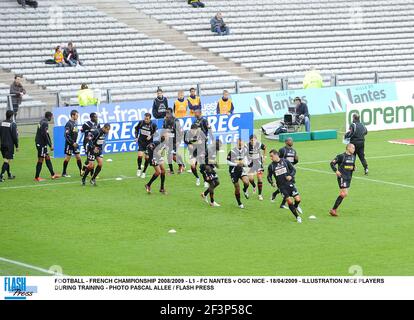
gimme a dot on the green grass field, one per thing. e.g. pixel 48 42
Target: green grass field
pixel 117 229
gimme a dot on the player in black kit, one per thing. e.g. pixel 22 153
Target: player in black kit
pixel 9 140
pixel 291 155
pixel 208 170
pixel 257 155
pixel 156 151
pixel 43 141
pixel 71 143
pixel 237 159
pixel 284 173
pixel 195 140
pixel 94 152
pixel 173 127
pixel 344 166
pixel 89 127
pixel 144 135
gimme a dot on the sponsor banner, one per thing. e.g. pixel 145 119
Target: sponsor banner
pixel 405 90
pixel 275 104
pixel 383 115
pixel 200 288
pixel 121 138
pixel 125 111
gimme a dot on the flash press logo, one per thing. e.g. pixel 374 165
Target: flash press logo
pixel 16 288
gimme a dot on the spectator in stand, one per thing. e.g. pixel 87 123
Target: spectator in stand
pixel 225 104
pixel 86 97
pixel 313 79
pixel 17 92
pixel 160 105
pixel 71 55
pixel 302 112
pixel 218 26
pixel 30 3
pixel 181 106
pixel 194 102
pixel 196 3
pixel 58 57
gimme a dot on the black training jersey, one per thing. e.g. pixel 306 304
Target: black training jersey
pixel 203 124
pixel 238 158
pixel 255 150
pixel 345 164
pixel 8 134
pixel 289 154
pixel 144 130
pixel 97 139
pixel 71 132
pixel 280 170
pixel 42 134
pixel 174 128
pixel 87 128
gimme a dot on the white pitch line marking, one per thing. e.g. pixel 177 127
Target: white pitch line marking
pixel 29 266
pixel 368 158
pixel 361 178
pixel 40 185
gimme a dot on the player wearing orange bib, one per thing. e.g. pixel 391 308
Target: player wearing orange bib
pixel 180 106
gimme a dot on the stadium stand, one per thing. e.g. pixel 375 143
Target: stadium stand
pixel 279 39
pixel 115 56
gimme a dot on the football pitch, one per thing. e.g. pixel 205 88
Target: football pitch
pixel 117 229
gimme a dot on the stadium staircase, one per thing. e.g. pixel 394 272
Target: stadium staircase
pixel 279 39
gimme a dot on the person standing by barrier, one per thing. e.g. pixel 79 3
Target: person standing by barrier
pixel 86 96
pixel 160 105
pixel 9 140
pixel 225 104
pixel 181 106
pixel 17 92
pixel 194 102
pixel 356 135
pixel 313 79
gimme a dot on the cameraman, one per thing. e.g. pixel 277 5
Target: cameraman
pixel 302 112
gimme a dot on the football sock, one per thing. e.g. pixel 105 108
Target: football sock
pixel 338 202
pixel 162 180
pixel 50 167
pixel 96 173
pixel 65 167
pixel 139 161
pixel 38 169
pixel 293 209
pixel 260 185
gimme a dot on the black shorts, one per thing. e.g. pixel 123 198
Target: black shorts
pixel 344 183
pixel 289 190
pixel 143 145
pixel 7 152
pixel 93 155
pixel 42 151
pixel 238 174
pixel 71 150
